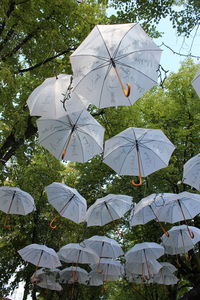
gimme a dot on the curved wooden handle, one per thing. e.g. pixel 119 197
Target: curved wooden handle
pixel 51 224
pixel 137 184
pixel 128 91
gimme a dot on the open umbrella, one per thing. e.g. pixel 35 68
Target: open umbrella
pixel 97 279
pixel 54 98
pixel 144 252
pixel 183 207
pixel 104 246
pixel 71 275
pixel 191 172
pixel 40 256
pixel 165 274
pixel 15 201
pixel 67 201
pixel 76 136
pixel 108 209
pixel 196 82
pixel 108 266
pixel 138 151
pixel 149 207
pixel 146 269
pixel 111 56
pixel 77 253
pixel 179 240
pixel 47 279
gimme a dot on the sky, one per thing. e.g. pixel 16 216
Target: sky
pixel 169 61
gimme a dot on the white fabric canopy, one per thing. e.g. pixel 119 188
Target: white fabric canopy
pixel 71 275
pixel 191 172
pixel 67 201
pixel 196 82
pixel 76 137
pixel 108 266
pixel 110 49
pixel 151 146
pixel 145 269
pixel 143 252
pixel 47 279
pixel 15 201
pixel 108 209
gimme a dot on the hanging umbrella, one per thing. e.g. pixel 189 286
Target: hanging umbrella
pixel 15 201
pixel 79 254
pixel 67 201
pixel 138 279
pixel 196 82
pixel 76 136
pixel 47 279
pixel 54 98
pixel 183 207
pixel 40 256
pixel 111 56
pixel 71 275
pixel 104 246
pixel 138 151
pixel 179 240
pixel 108 266
pixel 97 279
pixel 149 207
pixel 165 274
pixel 108 209
pixel 143 252
pixel 146 269
pixel 191 172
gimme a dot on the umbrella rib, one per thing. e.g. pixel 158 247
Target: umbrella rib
pixel 83 131
pixel 125 65
pixel 125 55
pixel 104 41
pixel 92 55
pixel 80 143
pixel 143 146
pixel 108 70
pixel 115 53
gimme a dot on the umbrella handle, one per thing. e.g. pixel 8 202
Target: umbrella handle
pixel 137 184
pixel 128 91
pixel 63 154
pixel 51 224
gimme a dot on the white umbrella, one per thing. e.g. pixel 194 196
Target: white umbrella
pixel 108 266
pixel 146 269
pixel 76 253
pixel 108 209
pixel 138 279
pixel 76 136
pixel 196 82
pixel 111 56
pixel 179 240
pixel 96 279
pixel 183 207
pixel 67 201
pixel 165 274
pixel 47 279
pixel 54 97
pixel 143 252
pixel 104 246
pixel 138 151
pixel 191 172
pixel 149 207
pixel 15 201
pixel 71 275
pixel 40 256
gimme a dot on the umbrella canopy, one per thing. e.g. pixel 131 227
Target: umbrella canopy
pixel 146 269
pixel 196 82
pixel 76 253
pixel 143 252
pixel 111 56
pixel 47 279
pixel 104 246
pixel 148 208
pixel 15 201
pixel 97 279
pixel 76 136
pixel 138 279
pixel 40 256
pixel 179 240
pixel 54 97
pixel 191 172
pixel 74 274
pixel 138 151
pixel 67 201
pixel 108 209
pixel 183 206
pixel 108 266
pixel 165 274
